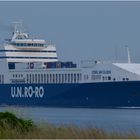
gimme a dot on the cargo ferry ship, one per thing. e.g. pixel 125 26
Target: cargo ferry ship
pixel 32 75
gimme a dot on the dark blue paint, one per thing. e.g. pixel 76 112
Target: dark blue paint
pixel 91 95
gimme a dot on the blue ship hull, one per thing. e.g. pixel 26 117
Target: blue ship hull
pixel 90 95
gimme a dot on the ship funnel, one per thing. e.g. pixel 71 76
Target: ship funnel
pixel 128 54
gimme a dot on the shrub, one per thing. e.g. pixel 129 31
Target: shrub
pixel 9 120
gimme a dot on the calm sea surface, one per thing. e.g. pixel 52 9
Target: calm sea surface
pixel 109 119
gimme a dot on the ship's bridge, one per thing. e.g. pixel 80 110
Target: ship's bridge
pixel 22 48
pixel 23 40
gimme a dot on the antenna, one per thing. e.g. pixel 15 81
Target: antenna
pixel 116 53
pixel 128 54
pixel 17 26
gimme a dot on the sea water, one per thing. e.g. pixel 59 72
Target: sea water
pixel 120 120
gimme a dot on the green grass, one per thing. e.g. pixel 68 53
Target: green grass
pixel 64 132
pixel 14 127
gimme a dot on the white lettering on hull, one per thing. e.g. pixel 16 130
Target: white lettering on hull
pixel 27 92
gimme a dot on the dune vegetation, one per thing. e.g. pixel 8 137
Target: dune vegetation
pixel 13 127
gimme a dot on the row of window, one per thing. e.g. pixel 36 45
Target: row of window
pixel 114 79
pixel 105 78
pixel 17 75
pixel 125 79
pixel 53 78
pixel 18 81
pixel 28 44
pixel 96 77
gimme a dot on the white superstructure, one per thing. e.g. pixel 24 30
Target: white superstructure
pixel 26 60
pixel 22 48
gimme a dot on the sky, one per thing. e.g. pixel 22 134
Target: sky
pixel 80 30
